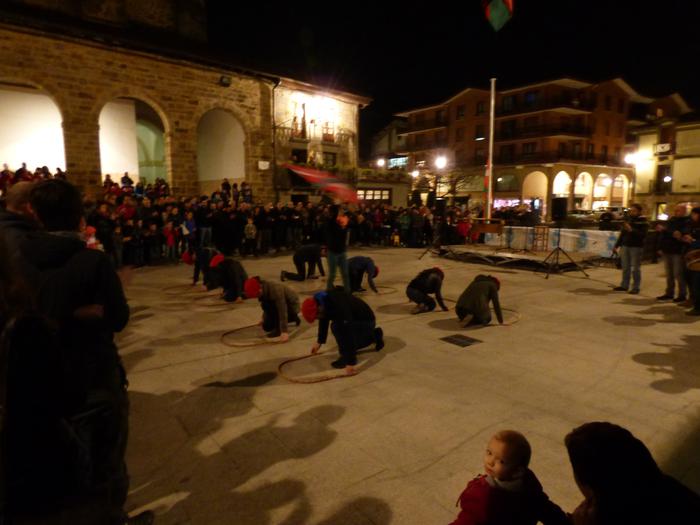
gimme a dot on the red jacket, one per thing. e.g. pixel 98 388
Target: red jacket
pixel 485 504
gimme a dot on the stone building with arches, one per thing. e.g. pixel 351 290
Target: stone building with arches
pixel 93 101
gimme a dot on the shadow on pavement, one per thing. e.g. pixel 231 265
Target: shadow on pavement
pixel 679 366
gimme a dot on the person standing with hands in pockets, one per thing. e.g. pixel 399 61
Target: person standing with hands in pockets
pixel 630 245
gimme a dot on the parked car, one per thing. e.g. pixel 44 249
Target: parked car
pixel 618 212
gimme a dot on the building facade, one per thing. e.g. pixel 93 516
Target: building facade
pixel 561 138
pixel 120 106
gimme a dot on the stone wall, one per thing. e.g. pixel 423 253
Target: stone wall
pixel 82 77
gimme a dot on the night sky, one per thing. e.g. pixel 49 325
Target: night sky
pixel 404 56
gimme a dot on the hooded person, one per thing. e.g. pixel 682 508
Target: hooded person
pixel 473 304
pixel 280 306
pixel 422 286
pixel 351 321
pixel 308 254
pixel 359 266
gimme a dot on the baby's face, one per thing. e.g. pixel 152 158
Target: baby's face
pixel 498 462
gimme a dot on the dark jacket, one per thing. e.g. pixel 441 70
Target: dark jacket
pixel 484 503
pixel 341 307
pixel 309 253
pixel 14 228
pixel 429 281
pixel 335 236
pixel 667 243
pixel 476 298
pixel 635 237
pixel 360 265
pixel 66 275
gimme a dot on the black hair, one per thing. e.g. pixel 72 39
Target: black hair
pixel 58 205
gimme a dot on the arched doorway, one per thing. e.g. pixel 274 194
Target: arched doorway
pixel 220 150
pixel 602 191
pixel 562 185
pixel 132 139
pixel 535 192
pixel 583 191
pixel 31 129
pixel 620 191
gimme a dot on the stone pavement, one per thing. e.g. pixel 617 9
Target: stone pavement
pixel 218 437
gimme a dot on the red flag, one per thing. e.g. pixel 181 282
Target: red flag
pixel 498 12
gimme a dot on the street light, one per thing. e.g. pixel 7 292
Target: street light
pixel 631 158
pixel 415 174
pixel 440 162
pixel 381 163
pixel 668 178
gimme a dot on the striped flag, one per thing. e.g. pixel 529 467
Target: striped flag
pixel 498 12
pixel 325 181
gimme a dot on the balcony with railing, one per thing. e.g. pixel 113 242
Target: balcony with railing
pixel 575 105
pixel 546 130
pixel 424 125
pixel 539 157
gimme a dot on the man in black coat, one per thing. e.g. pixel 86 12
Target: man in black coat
pixel 630 245
pixel 422 286
pixel 671 247
pixel 308 254
pixel 351 321
pixel 79 289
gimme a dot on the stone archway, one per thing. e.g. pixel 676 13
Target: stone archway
pixel 221 151
pixel 534 192
pixel 133 139
pixel 602 191
pixel 32 127
pixel 619 195
pixel 583 191
pixel 561 186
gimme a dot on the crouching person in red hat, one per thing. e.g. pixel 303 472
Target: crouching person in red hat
pixel 419 289
pixel 350 319
pixel 473 305
pixel 359 266
pixel 280 306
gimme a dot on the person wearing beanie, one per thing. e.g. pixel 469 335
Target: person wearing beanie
pixel 230 275
pixel 307 254
pixel 691 238
pixel 473 305
pixel 425 283
pixel 280 306
pixel 351 321
pixel 358 267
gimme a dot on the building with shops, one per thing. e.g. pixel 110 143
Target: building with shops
pixel 115 86
pixel 559 138
pixel 665 149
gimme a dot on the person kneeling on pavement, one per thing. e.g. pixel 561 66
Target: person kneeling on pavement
pixel 351 321
pixel 359 266
pixel 425 283
pixel 308 254
pixel 280 306
pixel 473 305
pixel 230 275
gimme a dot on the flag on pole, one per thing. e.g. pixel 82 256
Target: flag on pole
pixel 498 12
pixel 327 182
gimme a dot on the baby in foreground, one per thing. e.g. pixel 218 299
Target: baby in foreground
pixel 509 492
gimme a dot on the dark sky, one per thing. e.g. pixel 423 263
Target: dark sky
pixel 407 54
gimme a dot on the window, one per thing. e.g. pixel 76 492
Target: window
pixel 507 129
pixel 479 133
pixel 507 103
pixel 459 134
pixel 460 112
pixel 480 107
pixel 620 105
pixel 374 194
pixel 329 159
pixel 604 153
pixel 300 156
pixel 620 129
pixel 398 162
pixel 440 137
pixel 590 150
pixel 530 98
pixel 479 156
pixel 529 148
pixel 440 116
pixel 530 123
pixel 608 102
pixel 607 128
pixel 507 153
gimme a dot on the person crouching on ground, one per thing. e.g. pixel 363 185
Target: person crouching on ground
pixel 359 266
pixel 425 283
pixel 509 492
pixel 308 254
pixel 351 321
pixel 230 275
pixel 473 305
pixel 280 306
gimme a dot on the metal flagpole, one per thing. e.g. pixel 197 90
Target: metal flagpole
pixel 489 166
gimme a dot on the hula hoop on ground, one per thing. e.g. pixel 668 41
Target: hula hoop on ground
pixel 310 380
pixel 186 289
pixel 253 342
pixel 382 290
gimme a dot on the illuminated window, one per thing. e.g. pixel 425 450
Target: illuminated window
pixel 398 162
pixel 375 195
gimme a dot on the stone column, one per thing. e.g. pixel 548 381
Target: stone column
pixel 81 138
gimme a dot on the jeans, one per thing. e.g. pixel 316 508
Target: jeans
pixel 631 259
pixel 335 261
pixel 420 297
pixel 352 336
pixel 356 280
pixel 301 271
pixel 675 272
pixel 205 237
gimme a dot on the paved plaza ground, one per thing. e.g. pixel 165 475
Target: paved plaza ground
pixel 218 437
